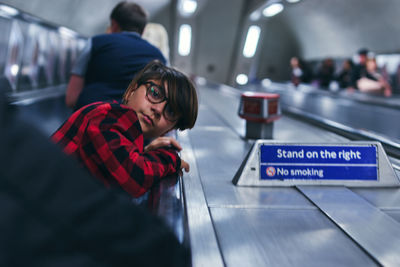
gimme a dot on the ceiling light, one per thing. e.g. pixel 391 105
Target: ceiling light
pixel 242 79
pixel 272 9
pixel 9 10
pixel 250 45
pixel 185 39
pixel 187 7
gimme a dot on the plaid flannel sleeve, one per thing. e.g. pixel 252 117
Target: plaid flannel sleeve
pixel 115 142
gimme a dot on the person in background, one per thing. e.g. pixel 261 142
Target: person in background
pixel 344 76
pixel 373 81
pixel 326 73
pixel 359 69
pixel 109 61
pixel 157 35
pixel 108 138
pixel 299 71
pixel 397 81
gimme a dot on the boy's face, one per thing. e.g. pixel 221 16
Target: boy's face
pixel 151 116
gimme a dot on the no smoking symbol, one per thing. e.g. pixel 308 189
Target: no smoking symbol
pixel 270 171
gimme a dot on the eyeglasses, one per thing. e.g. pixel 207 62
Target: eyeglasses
pixel 156 94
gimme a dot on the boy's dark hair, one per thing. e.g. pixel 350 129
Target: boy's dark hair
pixel 129 16
pixel 182 96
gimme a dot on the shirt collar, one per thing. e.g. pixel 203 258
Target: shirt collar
pixel 131 33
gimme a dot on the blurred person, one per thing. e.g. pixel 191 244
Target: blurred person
pixel 397 80
pixel 109 61
pixel 157 35
pixel 373 81
pixel 54 214
pixel 326 73
pixel 344 76
pixel 299 71
pixel 359 69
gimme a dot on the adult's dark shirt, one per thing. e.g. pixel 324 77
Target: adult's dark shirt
pixel 344 78
pixel 357 72
pixel 325 76
pixel 114 60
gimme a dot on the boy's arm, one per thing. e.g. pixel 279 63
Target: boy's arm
pixel 118 142
pixel 167 141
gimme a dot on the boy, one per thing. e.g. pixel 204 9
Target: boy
pixel 108 137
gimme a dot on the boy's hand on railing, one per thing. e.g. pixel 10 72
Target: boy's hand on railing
pixel 164 141
pixel 185 166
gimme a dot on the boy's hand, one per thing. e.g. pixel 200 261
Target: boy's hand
pixel 168 141
pixel 162 142
pixel 185 166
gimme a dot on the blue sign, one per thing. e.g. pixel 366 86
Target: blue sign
pixel 316 162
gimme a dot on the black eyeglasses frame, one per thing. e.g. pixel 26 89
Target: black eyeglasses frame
pixel 165 98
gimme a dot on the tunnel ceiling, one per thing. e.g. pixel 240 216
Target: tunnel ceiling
pixel 88 17
pixel 317 25
pixel 340 27
pixel 312 29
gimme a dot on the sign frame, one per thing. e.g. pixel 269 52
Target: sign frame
pixel 316 162
pixel 249 172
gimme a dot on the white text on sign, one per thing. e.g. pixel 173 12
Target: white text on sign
pixel 323 154
pixel 301 172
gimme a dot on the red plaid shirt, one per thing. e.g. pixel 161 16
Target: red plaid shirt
pixel 108 140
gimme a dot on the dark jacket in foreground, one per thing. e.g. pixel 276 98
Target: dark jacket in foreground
pixel 54 214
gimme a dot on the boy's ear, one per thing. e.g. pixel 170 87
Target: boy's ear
pixel 130 94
